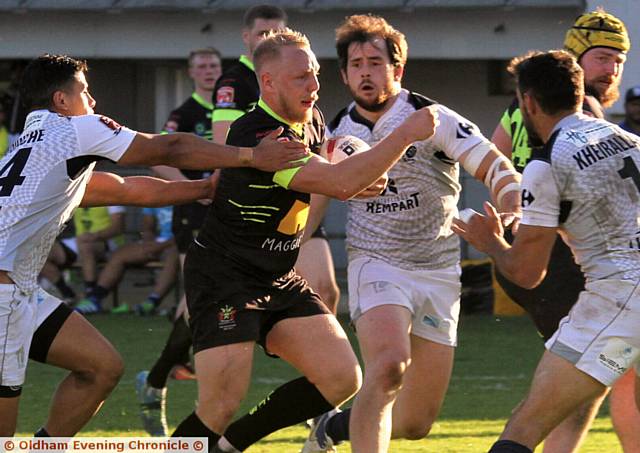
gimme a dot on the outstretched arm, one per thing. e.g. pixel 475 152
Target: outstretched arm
pixel 187 151
pixel 525 262
pixel 355 174
pixel 106 189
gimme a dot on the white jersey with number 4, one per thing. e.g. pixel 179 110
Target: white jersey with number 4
pixel 586 182
pixel 409 225
pixel 42 180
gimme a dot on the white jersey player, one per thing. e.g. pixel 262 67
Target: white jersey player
pixel 404 274
pixel 45 175
pixel 584 184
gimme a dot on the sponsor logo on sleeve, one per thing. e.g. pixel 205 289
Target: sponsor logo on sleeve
pixel 527 198
pixel 225 97
pixel 111 124
pixel 464 130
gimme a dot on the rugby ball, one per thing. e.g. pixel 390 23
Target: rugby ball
pixel 337 149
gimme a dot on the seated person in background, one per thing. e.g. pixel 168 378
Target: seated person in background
pixel 157 244
pixel 62 256
pixel 98 233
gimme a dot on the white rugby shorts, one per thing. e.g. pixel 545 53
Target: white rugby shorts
pixel 432 296
pixel 20 315
pixel 601 333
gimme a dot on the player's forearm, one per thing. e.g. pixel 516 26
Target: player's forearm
pixel 169 173
pixel 155 192
pixel 351 176
pixel 512 266
pixel 143 191
pixel 191 152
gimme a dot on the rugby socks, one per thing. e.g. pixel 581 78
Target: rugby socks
pixel 509 446
pixel 192 426
pixel 174 352
pixel 42 433
pixel 337 427
pixel 96 294
pixel 64 289
pixel 89 285
pixel 291 403
pixel 99 293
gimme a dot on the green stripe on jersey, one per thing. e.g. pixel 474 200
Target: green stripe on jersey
pixel 283 177
pixel 226 115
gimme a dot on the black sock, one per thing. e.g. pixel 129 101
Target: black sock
pixel 42 433
pixel 89 285
pixel 192 426
pixel 509 446
pixel 174 351
pixel 99 293
pixel 64 289
pixel 338 426
pixel 291 403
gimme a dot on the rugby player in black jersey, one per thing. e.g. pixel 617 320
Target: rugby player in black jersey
pixel 236 93
pixel 240 282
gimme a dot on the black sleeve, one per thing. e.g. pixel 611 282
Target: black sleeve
pixel 232 93
pixel 177 122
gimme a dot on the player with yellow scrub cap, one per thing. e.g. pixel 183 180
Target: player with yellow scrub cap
pixel 600 41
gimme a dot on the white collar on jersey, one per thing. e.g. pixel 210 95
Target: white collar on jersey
pixel 569 121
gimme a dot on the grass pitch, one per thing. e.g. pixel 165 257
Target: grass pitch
pixel 494 362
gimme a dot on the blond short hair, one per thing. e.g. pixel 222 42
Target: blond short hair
pixel 269 48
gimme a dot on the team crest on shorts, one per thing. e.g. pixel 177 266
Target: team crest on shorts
pixel 227 318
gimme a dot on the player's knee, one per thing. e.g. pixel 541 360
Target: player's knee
pixel 417 432
pixel 341 384
pixel 329 293
pixel 389 370
pixel 104 373
pixel 113 373
pixel 415 429
pixel 218 410
pixel 351 382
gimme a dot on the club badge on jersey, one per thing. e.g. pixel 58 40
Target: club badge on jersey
pixel 225 97
pixel 111 124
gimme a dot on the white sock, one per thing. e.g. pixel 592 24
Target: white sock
pixel 225 446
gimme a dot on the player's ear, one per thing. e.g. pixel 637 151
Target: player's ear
pixel 59 101
pixel 345 79
pixel 530 103
pixel 266 81
pixel 398 72
pixel 246 34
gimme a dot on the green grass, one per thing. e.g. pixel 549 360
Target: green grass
pixel 494 362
